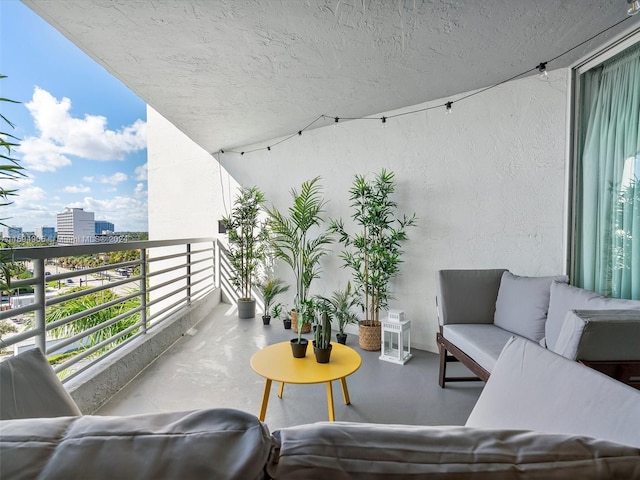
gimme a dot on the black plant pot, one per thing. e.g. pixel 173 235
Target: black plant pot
pixel 287 323
pixel 322 354
pixel 266 319
pixel 299 349
pixel 342 338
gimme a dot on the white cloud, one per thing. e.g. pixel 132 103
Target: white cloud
pixel 140 173
pixel 76 189
pixel 88 179
pixel 139 191
pixel 62 135
pixel 114 179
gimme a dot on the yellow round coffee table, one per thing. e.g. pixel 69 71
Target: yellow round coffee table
pixel 276 363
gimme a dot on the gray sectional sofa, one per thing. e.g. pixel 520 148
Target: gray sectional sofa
pixel 540 416
pixel 480 310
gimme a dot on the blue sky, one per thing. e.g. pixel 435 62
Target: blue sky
pixel 82 132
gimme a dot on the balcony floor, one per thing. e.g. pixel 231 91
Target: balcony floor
pixel 209 367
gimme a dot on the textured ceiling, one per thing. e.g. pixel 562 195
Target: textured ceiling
pixel 234 72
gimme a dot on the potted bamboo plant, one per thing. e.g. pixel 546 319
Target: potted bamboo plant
pixel 248 240
pixel 270 288
pixel 293 243
pixel 374 252
pixel 339 306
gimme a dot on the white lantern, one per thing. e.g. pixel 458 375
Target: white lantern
pixel 396 341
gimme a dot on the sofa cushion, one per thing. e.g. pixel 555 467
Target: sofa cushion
pixel 216 443
pixel 523 303
pixel 567 297
pixel 532 388
pixel 340 451
pixel 483 343
pixel 30 388
pixel 600 335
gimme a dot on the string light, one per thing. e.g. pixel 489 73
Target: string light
pixel 634 8
pixel 542 68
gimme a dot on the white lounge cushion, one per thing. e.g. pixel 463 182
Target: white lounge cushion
pixel 481 342
pixel 341 451
pixel 30 388
pixel 523 303
pixel 567 297
pixel 532 388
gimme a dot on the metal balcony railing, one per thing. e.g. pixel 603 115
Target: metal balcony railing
pixel 118 301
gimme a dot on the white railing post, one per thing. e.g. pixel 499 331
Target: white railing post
pixel 39 299
pixel 188 273
pixel 143 288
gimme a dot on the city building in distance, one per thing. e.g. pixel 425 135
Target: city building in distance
pixel 75 226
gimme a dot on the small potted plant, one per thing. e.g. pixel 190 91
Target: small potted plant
pixel 270 288
pixel 322 335
pixel 340 307
pixel 276 311
pixel 248 243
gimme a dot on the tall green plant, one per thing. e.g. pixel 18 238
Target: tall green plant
pixel 10 169
pixel 374 252
pixel 339 306
pixel 292 238
pixel 248 236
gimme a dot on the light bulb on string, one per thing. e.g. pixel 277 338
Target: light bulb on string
pixel 384 121
pixel 542 68
pixel 335 121
pixel 448 107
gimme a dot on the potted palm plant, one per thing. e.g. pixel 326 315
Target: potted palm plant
pixel 271 288
pixel 293 243
pixel 374 252
pixel 339 306
pixel 248 240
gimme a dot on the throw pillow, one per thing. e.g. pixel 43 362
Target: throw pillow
pixel 523 303
pixel 29 388
pixel 567 297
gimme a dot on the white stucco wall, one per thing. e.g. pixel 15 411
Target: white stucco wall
pixel 486 182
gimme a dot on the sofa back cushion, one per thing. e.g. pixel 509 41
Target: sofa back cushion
pixel 523 304
pixel 533 388
pixel 566 297
pixel 349 451
pixel 215 443
pixel 467 296
pixel 600 335
pixel 30 388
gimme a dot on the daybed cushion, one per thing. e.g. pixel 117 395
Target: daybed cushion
pixel 218 443
pixel 483 343
pixel 532 388
pixel 30 388
pixel 566 297
pixel 523 303
pixel 600 335
pixel 341 451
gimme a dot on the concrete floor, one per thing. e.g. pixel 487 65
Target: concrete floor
pixel 209 367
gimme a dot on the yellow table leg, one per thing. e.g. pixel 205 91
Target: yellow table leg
pixel 265 400
pixel 332 417
pixel 281 389
pixel 345 391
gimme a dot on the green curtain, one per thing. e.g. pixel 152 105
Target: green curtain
pixel 607 240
